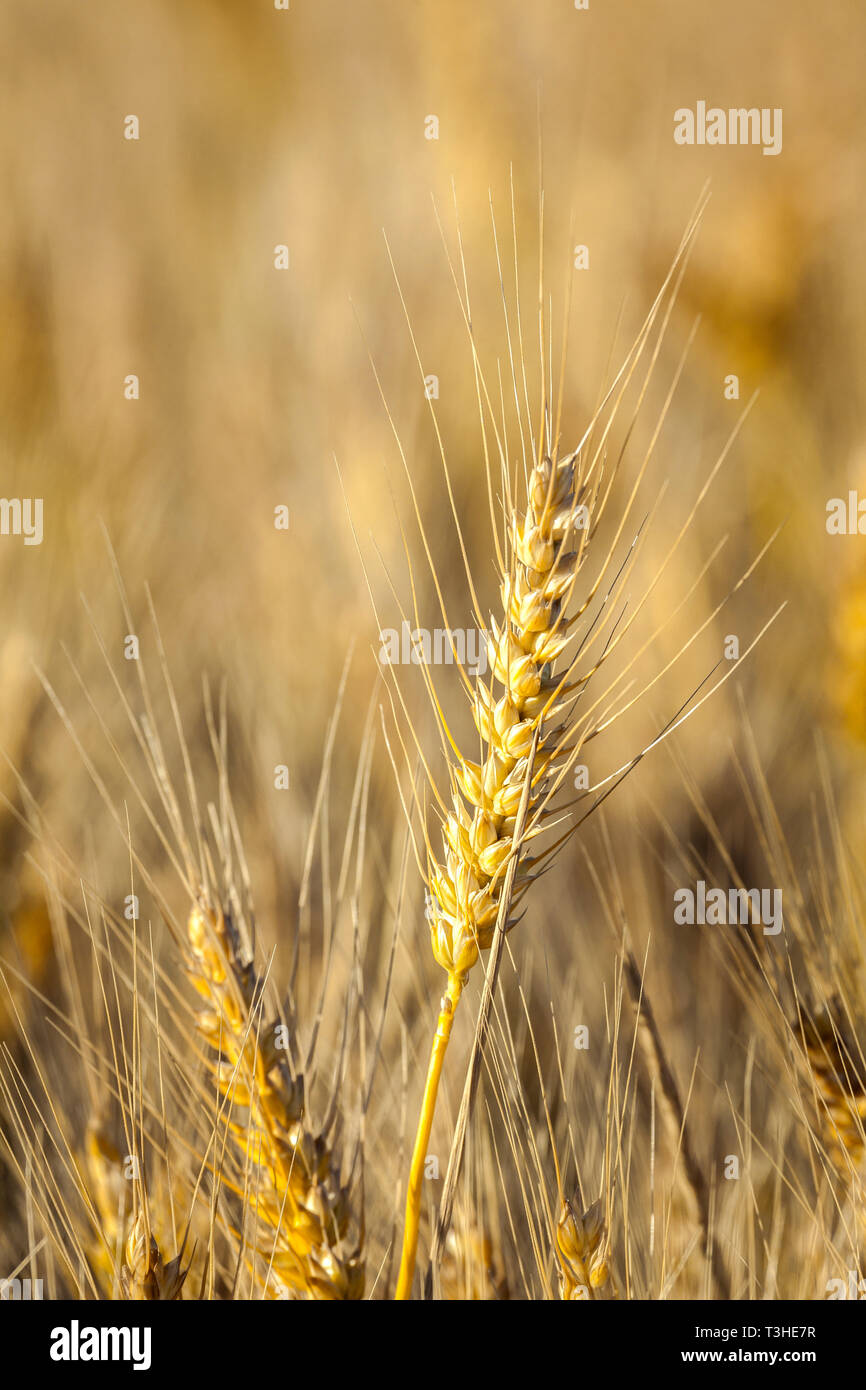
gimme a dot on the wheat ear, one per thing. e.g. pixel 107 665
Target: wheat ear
pixel 300 1213
pixel 466 890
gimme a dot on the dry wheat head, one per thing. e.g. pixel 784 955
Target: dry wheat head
pixel 300 1214
pixel 478 832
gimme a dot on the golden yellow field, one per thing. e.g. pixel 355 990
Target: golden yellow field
pixel 336 340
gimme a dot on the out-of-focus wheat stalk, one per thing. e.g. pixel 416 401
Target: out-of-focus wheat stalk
pixel 650 1039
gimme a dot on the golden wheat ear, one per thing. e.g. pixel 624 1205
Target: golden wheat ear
pixel 300 1213
pixel 482 870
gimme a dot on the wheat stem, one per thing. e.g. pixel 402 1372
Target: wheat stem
pixel 447 1010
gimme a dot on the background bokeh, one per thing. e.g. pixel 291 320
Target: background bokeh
pixel 155 257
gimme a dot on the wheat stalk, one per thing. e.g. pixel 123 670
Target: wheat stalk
pixel 482 833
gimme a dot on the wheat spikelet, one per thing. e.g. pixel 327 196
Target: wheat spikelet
pixel 144 1277
pixel 841 1093
pixel 581 1252
pixel 301 1214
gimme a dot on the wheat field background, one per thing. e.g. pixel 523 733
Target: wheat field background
pixel 303 388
